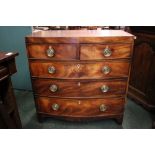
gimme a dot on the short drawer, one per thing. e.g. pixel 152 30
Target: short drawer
pixel 77 88
pixel 99 51
pixel 79 70
pixel 82 107
pixel 52 51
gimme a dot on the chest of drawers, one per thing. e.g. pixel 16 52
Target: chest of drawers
pixel 80 74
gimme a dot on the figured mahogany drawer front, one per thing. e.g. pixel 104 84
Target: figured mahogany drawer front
pixel 100 51
pixel 52 51
pixel 80 70
pixel 67 88
pixel 83 107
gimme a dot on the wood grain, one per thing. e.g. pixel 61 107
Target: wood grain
pixel 62 51
pixel 142 77
pixel 80 36
pixel 77 88
pixel 95 51
pixel 83 107
pixel 79 75
pixel 81 70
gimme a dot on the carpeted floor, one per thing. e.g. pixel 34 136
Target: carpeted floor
pixel 135 117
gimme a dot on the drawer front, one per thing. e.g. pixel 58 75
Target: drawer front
pixel 4 72
pixel 52 51
pixel 66 88
pixel 81 70
pixel 83 107
pixel 99 51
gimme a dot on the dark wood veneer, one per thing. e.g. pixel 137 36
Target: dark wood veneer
pixel 95 51
pixel 87 88
pixel 78 61
pixel 142 78
pixel 9 116
pixel 82 70
pixel 62 51
pixel 80 107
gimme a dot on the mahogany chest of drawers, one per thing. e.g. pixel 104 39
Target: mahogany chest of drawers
pixel 80 74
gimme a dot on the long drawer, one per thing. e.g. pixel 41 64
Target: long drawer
pixel 100 51
pixel 53 51
pixel 80 70
pixel 83 107
pixel 77 88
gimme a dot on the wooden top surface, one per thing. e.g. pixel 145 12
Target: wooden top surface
pixel 81 33
pixel 80 36
pixel 5 56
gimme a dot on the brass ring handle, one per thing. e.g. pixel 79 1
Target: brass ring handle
pixel 53 88
pixel 51 69
pixel 107 52
pixel 106 69
pixel 55 106
pixel 103 107
pixel 50 52
pixel 104 88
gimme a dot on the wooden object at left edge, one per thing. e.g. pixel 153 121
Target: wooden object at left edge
pixel 9 115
